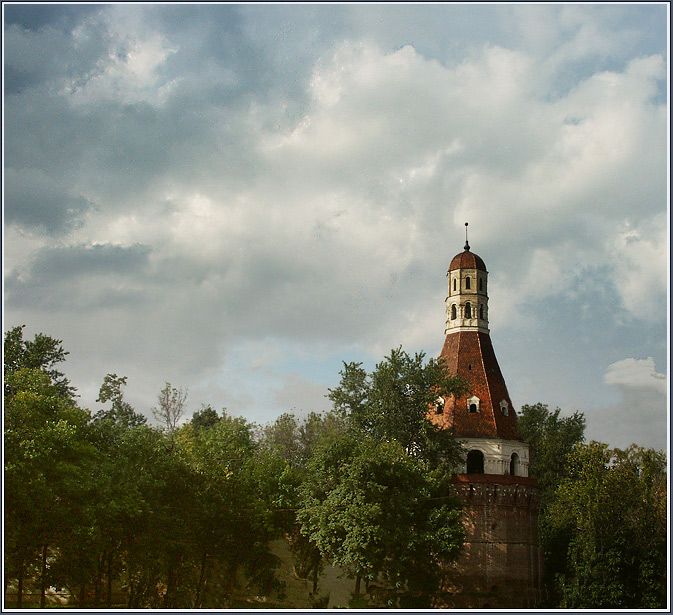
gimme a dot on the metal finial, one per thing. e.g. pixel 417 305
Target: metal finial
pixel 467 245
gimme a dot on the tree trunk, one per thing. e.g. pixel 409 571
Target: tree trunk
pixel 171 582
pixel 43 578
pixel 200 584
pixel 108 597
pixel 19 579
pixel 98 583
pixel 358 579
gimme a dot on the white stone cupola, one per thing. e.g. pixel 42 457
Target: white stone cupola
pixel 467 303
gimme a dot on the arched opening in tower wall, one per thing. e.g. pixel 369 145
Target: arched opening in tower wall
pixel 475 462
pixel 514 465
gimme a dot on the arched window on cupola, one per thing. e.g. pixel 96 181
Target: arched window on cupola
pixel 454 314
pixel 481 283
pixel 475 462
pixel 468 310
pixel 454 283
pixel 514 465
pixel 481 311
pixel 467 282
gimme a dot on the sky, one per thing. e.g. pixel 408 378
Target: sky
pixel 236 199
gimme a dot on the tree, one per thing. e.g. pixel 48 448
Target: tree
pixel 121 412
pixel 552 439
pixel 381 513
pixel 204 418
pixel 171 406
pixel 392 403
pixel 376 498
pixel 281 467
pixel 48 465
pixel 612 509
pixel 43 353
pixel 230 525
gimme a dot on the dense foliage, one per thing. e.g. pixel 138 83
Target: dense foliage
pixel 116 513
pixel 602 516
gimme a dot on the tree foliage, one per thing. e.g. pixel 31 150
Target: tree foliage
pixel 171 407
pixel 552 438
pixel 43 353
pixel 376 500
pixel 602 516
pixel 125 515
pixel 392 403
pixel 204 418
pixel 120 412
pixel 612 509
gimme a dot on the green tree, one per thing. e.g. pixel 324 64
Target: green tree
pixel 552 440
pixel 376 497
pixel 204 418
pixel 285 449
pixel 612 508
pixel 48 464
pixel 381 513
pixel 392 403
pixel 43 353
pixel 120 412
pixel 230 525
pixel 171 407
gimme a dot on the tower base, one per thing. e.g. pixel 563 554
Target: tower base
pixel 501 566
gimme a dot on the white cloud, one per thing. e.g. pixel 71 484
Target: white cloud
pixel 129 73
pixel 641 269
pixel 641 417
pixel 636 374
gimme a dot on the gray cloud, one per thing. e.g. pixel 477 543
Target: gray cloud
pixel 42 203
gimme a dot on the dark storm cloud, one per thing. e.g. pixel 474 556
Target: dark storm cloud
pixel 79 277
pixel 36 16
pixel 36 57
pixel 38 202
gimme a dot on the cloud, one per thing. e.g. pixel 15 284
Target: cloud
pixel 636 374
pixel 202 178
pixel 642 411
pixel 38 202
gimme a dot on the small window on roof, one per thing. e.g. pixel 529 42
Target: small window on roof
pixel 473 404
pixel 504 407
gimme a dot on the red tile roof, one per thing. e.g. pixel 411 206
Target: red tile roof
pixel 467 260
pixel 470 354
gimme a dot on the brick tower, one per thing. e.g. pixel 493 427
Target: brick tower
pixel 502 564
